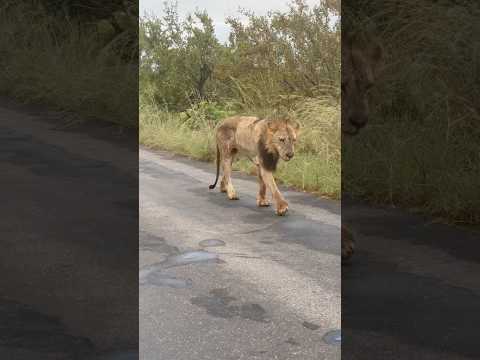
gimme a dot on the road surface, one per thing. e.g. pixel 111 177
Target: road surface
pixel 69 237
pixel 222 279
pixel 412 290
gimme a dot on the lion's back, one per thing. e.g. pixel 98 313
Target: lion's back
pixel 235 122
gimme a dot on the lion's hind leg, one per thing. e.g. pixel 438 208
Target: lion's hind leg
pixel 228 154
pixel 223 185
pixel 227 178
pixel 226 141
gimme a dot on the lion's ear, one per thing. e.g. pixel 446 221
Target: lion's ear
pixel 376 56
pixel 271 124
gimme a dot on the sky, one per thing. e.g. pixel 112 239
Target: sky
pixel 219 10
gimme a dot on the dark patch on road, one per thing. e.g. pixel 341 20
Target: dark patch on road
pixel 150 242
pixel 292 341
pixel 44 159
pixel 310 326
pixel 157 171
pixel 156 277
pixel 265 215
pixel 22 327
pixel 219 304
pixel 191 257
pixel 130 205
pixel 311 234
pixel 257 353
pixel 211 243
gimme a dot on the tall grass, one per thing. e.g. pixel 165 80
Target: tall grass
pixel 67 65
pixel 315 167
pixel 422 146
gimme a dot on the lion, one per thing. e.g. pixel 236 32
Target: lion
pixel 361 60
pixel 264 142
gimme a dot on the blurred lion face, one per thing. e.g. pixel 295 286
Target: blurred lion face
pixel 360 65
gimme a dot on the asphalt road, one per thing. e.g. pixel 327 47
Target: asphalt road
pixel 223 279
pixel 268 287
pixel 69 239
pixel 412 290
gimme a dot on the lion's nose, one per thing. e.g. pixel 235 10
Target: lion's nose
pixel 290 154
pixel 359 121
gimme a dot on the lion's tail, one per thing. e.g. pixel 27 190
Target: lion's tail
pixel 218 170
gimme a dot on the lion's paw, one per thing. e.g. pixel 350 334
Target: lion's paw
pixel 262 202
pixel 282 208
pixel 233 196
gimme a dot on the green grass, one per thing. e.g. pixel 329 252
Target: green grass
pixel 65 65
pixel 315 167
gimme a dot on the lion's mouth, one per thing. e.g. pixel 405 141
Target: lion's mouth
pixel 350 129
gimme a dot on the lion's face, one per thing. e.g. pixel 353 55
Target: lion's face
pixel 359 67
pixel 283 135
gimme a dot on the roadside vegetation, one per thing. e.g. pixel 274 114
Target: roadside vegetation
pixel 421 148
pixel 284 62
pixel 75 56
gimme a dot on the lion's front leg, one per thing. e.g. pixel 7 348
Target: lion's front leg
pixel 282 205
pixel 262 191
pixel 348 244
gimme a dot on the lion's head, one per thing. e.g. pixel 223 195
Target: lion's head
pixel 361 60
pixel 280 137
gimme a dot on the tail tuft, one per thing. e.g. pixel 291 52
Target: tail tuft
pixel 218 170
